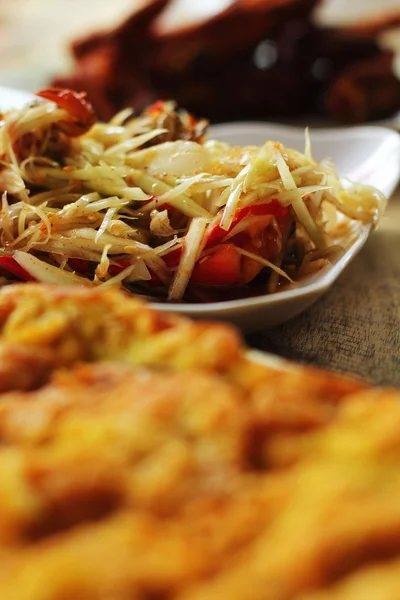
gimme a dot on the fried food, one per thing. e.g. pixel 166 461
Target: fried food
pixel 151 459
pixel 45 328
pixel 252 59
pixel 363 89
pixel 340 518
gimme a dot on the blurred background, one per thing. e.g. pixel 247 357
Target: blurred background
pixel 338 60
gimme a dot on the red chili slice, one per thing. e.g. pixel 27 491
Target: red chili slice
pixel 156 107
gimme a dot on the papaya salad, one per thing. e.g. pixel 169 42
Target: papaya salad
pixel 147 203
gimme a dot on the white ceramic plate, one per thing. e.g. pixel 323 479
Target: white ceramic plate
pixel 10 98
pixel 366 154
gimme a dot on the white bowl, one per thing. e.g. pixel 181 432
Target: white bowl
pixel 366 154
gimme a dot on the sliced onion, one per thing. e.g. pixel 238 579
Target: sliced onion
pixel 191 251
pixel 160 224
pixel 154 186
pixel 234 197
pixel 284 171
pixel 106 221
pixel 307 146
pixel 314 231
pixel 133 143
pixel 175 158
pixel 135 272
pixel 45 273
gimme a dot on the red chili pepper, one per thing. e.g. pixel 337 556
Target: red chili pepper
pixel 220 269
pixel 192 120
pixel 156 107
pixel 273 208
pixel 9 264
pixel 75 103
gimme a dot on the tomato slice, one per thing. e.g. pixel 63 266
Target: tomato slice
pixel 224 266
pixel 119 267
pixel 79 265
pixel 219 269
pixel 172 258
pixel 8 263
pixel 274 208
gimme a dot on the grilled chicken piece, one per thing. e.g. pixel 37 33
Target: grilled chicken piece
pixel 137 63
pixel 237 59
pixel 229 33
pixel 365 90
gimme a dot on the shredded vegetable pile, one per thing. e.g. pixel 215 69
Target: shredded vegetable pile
pixel 144 202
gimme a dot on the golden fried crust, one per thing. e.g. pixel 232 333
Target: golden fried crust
pixel 376 581
pixel 143 456
pixel 342 515
pixel 50 327
pixel 128 483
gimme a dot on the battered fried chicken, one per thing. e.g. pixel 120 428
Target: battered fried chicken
pixel 339 520
pixel 151 459
pixel 43 328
